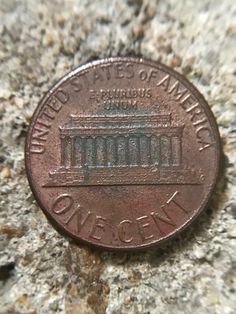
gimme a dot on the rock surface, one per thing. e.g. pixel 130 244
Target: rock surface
pixel 40 271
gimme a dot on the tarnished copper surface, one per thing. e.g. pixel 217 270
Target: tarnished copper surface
pixel 122 153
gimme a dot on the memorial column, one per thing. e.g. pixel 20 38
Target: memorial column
pixel 155 150
pixel 165 150
pixel 176 150
pixel 63 150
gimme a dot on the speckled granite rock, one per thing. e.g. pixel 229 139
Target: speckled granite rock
pixel 40 271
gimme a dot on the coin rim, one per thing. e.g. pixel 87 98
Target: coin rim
pixel 60 228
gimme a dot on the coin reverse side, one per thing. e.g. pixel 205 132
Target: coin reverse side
pixel 122 153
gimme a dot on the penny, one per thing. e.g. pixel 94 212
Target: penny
pixel 122 153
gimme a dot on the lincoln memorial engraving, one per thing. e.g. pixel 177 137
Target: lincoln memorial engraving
pixel 121 149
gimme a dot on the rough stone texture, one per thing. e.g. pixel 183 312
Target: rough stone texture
pixel 40 271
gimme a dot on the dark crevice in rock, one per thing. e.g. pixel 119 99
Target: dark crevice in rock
pixel 6 271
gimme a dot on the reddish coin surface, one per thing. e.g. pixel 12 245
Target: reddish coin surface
pixel 122 153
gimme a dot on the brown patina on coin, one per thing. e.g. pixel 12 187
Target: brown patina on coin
pixel 122 153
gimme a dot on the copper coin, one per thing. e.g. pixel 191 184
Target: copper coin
pixel 122 153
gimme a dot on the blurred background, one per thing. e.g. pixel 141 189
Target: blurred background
pixel 40 271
